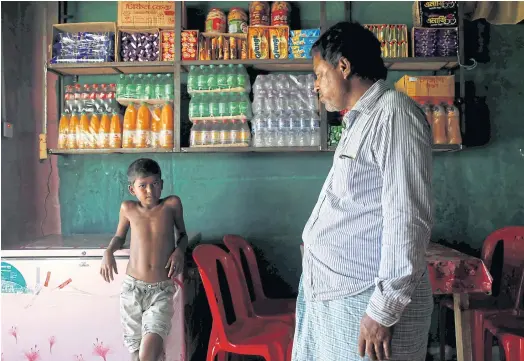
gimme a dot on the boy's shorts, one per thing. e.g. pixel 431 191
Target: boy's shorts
pixel 145 308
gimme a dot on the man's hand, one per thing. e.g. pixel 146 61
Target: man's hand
pixel 175 263
pixel 374 339
pixel 108 266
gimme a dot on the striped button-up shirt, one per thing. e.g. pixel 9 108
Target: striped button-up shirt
pixel 372 222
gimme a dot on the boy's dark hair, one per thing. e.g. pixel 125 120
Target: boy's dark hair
pixel 141 168
pixel 355 43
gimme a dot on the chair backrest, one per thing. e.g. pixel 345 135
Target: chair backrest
pixel 238 245
pixel 511 242
pixel 206 257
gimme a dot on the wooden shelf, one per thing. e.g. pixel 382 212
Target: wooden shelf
pixel 250 150
pixel 265 65
pixel 125 101
pixel 421 64
pixel 112 68
pixel 296 65
pixel 109 151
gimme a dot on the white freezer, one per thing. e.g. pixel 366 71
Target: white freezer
pixel 56 306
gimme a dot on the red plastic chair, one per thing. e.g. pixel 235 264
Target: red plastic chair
pixel 508 328
pixel 262 305
pixel 247 335
pixel 512 239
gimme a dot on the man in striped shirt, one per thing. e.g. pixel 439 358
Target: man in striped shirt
pixel 364 291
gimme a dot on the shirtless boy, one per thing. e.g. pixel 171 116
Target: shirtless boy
pixel 146 299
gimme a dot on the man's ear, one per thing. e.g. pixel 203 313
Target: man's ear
pixel 131 190
pixel 345 67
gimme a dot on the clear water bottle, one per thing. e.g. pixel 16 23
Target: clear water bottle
pixel 272 130
pixel 259 131
pixel 196 134
pixel 297 132
pixel 282 101
pixel 259 102
pixel 206 132
pixel 284 130
pixel 315 129
pixel 282 83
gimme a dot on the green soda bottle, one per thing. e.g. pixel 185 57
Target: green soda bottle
pixel 169 87
pixel 233 104
pixel 192 79
pixel 223 107
pixel 213 105
pixel 212 78
pixel 159 88
pixel 194 107
pixel 242 77
pixel 140 86
pixel 232 79
pixel 202 78
pixel 204 105
pixel 221 77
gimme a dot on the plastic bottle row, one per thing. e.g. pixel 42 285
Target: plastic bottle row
pixel 284 82
pixel 281 100
pixel 234 133
pixel 148 127
pixel 145 86
pixel 90 132
pixel 286 129
pixel 216 78
pixel 90 98
pixel 445 122
pixel 219 105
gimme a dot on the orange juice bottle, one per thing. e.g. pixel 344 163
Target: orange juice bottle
pixel 82 132
pixel 166 126
pixel 128 138
pixel 63 131
pixel 155 127
pixel 94 127
pixel 143 127
pixel 115 132
pixel 72 138
pixel 103 131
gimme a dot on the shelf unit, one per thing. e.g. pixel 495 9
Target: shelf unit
pixel 179 66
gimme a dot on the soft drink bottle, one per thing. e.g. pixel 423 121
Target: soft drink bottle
pixel 103 131
pixel 131 87
pixel 215 133
pixel 196 134
pixel 243 78
pixel 232 78
pixel 169 87
pixel 121 86
pixel 94 128
pixel 192 79
pixel 194 106
pixel 166 127
pixel 128 138
pixel 72 139
pixel 223 106
pixel 63 131
pixel 143 127
pixel 245 133
pixel 115 132
pixel 83 131
pixel 225 132
pixel 140 86
pixel 204 105
pixel 212 78
pixel 159 87
pixel 213 105
pixel 439 125
pixel 155 126
pixel 149 89
pixel 453 124
pixel 221 77
pixel 202 78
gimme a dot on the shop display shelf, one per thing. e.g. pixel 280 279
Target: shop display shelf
pixel 109 151
pixel 250 149
pixel 114 68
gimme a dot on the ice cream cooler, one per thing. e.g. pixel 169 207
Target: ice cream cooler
pixel 56 306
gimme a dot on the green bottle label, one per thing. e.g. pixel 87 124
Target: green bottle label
pixel 233 108
pixel 232 81
pixel 212 81
pixel 202 82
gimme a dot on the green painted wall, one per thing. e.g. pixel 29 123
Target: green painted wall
pixel 268 197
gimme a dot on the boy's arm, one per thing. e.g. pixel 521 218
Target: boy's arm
pixel 119 239
pixel 108 261
pixel 180 226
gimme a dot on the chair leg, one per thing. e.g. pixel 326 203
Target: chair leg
pixel 477 335
pixel 213 349
pixel 275 352
pixel 442 332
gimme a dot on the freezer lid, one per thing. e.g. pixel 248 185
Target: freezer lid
pixel 86 245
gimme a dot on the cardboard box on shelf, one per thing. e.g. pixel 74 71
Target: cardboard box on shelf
pixel 278 40
pixel 159 14
pixel 258 42
pixel 427 86
pixel 189 44
pixel 133 30
pixel 96 27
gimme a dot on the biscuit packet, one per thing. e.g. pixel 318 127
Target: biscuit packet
pixel 258 42
pixel 278 40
